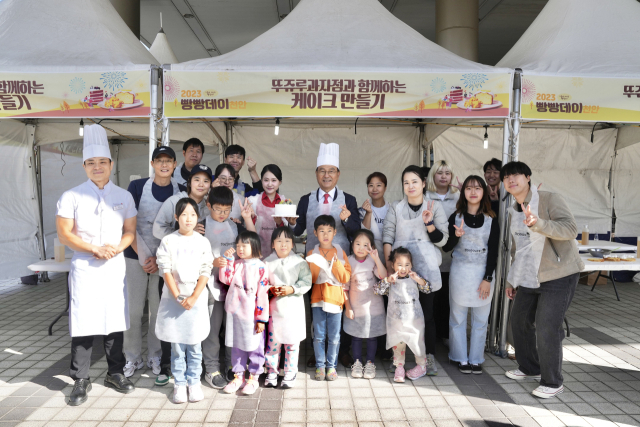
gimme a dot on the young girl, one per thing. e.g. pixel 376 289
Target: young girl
pixel 405 321
pixel 185 260
pixel 247 307
pixel 364 316
pixel 474 236
pixel 264 205
pixel 290 277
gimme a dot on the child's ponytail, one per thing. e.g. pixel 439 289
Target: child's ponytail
pixel 400 251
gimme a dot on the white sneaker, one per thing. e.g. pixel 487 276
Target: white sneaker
pixel 180 394
pixel 195 393
pixel 154 364
pixel 271 380
pixel 356 369
pixel 289 380
pixel 517 374
pixel 547 392
pixel 131 367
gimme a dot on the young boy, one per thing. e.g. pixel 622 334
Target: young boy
pixel 222 233
pixel 330 270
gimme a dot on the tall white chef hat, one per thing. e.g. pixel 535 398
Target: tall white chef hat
pixel 329 155
pixel 95 143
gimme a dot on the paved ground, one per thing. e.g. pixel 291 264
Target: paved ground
pixel 601 370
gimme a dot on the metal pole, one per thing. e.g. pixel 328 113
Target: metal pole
pixel 166 139
pixel 421 145
pixel 36 172
pixel 154 114
pixel 512 155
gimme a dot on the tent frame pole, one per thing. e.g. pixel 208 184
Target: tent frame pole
pixel 36 171
pixel 421 144
pixel 510 155
pixel 153 117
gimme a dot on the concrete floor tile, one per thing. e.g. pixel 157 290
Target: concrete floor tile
pixel 393 415
pixel 343 416
pixel 363 415
pixel 294 416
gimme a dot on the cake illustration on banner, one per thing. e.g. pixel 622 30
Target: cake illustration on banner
pixel 285 209
pixel 123 99
pixel 482 99
pixel 96 95
pixel 455 94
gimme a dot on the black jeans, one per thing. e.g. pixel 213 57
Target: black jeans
pixel 165 359
pixel 441 308
pixel 426 301
pixel 81 349
pixel 537 320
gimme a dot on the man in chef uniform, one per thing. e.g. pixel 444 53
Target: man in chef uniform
pixel 97 220
pixel 328 199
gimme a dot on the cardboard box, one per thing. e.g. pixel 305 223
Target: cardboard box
pixel 590 279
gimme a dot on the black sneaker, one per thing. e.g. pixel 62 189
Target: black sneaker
pixel 230 375
pixel 464 368
pixel 215 380
pixel 476 369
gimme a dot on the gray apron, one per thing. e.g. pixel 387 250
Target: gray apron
pixel 148 208
pixel 222 236
pixel 405 320
pixel 469 265
pixel 177 175
pixel 529 247
pixel 369 318
pixel 314 210
pixel 412 234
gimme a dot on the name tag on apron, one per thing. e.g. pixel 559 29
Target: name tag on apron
pixel 118 207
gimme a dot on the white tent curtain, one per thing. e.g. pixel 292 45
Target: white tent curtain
pixel 563 160
pixel 18 203
pixel 295 149
pixel 626 192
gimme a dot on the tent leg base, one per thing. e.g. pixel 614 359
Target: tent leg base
pixel 44 277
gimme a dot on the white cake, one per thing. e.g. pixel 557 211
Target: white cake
pixel 286 211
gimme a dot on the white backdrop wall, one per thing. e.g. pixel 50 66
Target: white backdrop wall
pixel 626 191
pixel 18 204
pixel 62 170
pixel 563 160
pixel 295 150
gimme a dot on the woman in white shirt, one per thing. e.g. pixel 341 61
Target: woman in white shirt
pixel 373 211
pixel 440 187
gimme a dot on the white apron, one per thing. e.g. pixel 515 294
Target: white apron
pixel 241 323
pixel 236 212
pixel 148 208
pixel 529 247
pixel 314 210
pixel 377 232
pixel 175 324
pixel 370 319
pixel 469 265
pixel 98 288
pixel 287 313
pixel 222 236
pixel 177 175
pixel 326 275
pixel 265 224
pixel 412 234
pixel 405 320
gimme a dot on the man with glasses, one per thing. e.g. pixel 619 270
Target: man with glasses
pixel 142 271
pixel 329 200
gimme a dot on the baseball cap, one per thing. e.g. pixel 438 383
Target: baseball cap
pixel 201 168
pixel 164 149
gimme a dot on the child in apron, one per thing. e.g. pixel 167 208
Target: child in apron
pixel 364 317
pixel 185 260
pixel 290 277
pixel 247 306
pixel 405 321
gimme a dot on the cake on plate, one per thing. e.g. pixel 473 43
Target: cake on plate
pixel 285 211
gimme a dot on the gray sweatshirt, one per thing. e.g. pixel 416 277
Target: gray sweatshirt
pixel 165 221
pixel 440 221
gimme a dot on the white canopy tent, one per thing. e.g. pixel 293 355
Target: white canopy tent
pixel 42 41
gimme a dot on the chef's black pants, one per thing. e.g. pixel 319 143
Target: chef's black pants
pixel 441 310
pixel 165 359
pixel 81 354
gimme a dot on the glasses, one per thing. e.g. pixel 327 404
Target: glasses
pixel 228 179
pixel 164 161
pixel 327 172
pixel 220 212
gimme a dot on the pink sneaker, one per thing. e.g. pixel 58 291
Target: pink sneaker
pixel 250 386
pixel 399 374
pixel 417 372
pixel 235 384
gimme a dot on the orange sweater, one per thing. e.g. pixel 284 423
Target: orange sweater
pixel 330 297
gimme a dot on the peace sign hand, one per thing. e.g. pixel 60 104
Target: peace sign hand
pixel 344 213
pixel 374 254
pixel 215 183
pixel 529 219
pixel 493 192
pixel 414 276
pixel 459 230
pixel 427 214
pixel 246 210
pixel 392 278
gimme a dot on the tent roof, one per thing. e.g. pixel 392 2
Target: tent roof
pixel 67 36
pixel 161 50
pixel 339 35
pixel 588 38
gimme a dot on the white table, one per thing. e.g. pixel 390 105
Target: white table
pixel 590 267
pixel 604 244
pixel 58 267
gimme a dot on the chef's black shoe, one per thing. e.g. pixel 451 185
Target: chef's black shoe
pixel 465 368
pixel 119 383
pixel 476 369
pixel 80 392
